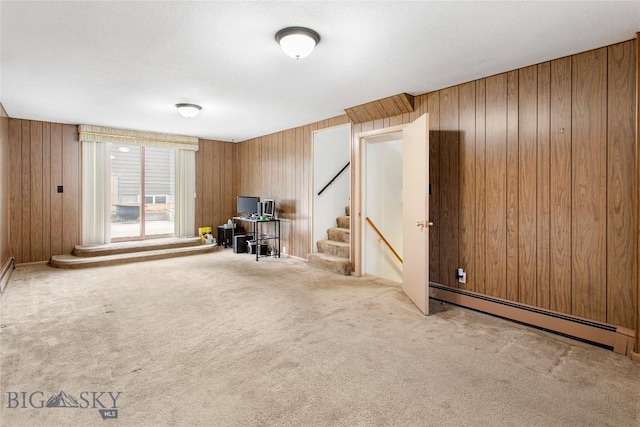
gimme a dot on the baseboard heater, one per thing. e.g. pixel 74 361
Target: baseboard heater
pixel 619 339
pixel 7 268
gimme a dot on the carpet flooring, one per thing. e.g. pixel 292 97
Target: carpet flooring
pixel 222 340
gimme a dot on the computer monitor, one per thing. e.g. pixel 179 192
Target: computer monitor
pixel 268 207
pixel 248 205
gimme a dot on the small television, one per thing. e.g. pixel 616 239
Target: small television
pixel 248 205
pixel 268 208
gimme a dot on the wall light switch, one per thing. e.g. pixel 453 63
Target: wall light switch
pixel 59 188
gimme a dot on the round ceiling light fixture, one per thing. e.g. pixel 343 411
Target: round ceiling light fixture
pixel 188 110
pixel 297 42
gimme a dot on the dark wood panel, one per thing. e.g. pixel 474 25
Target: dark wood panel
pixel 467 201
pixel 513 166
pixel 560 187
pixel 621 155
pixel 496 165
pixel 47 190
pixel 36 178
pixel 56 198
pixel 543 187
pixel 589 153
pixel 71 215
pixel 15 190
pixel 436 273
pixel 481 185
pixel 199 185
pixel 527 208
pixel 25 183
pixel 386 107
pixel 450 189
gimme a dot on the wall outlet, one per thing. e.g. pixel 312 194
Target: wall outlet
pixel 284 250
pixel 462 275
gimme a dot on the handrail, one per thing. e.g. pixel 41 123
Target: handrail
pixel 334 178
pixel 383 239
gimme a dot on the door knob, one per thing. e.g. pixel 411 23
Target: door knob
pixel 424 224
pixel 430 224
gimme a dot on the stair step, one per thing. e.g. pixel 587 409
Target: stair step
pixel 344 222
pixel 339 234
pixel 330 263
pixel 347 210
pixel 134 246
pixel 72 261
pixel 331 247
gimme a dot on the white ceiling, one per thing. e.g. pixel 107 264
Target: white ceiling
pixel 125 64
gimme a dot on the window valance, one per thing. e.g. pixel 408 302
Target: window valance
pixel 103 134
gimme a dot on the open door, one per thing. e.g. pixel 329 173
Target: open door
pixel 415 211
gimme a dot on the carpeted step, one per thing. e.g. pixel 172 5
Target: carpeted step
pixel 331 263
pixel 331 247
pixel 343 221
pixel 71 261
pixel 134 246
pixel 347 210
pixel 339 234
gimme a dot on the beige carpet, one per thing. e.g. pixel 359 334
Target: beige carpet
pixel 222 340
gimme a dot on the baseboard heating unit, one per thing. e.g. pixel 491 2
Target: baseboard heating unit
pixel 619 339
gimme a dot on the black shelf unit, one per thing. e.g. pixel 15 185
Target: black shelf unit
pixel 262 232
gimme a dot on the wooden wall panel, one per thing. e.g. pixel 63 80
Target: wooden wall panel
pixel 621 244
pixel 436 268
pixel 466 195
pixel 513 169
pixel 543 187
pixel 15 186
pixel 5 190
pixel 527 185
pixel 25 184
pixel 216 186
pixel 72 196
pixel 560 187
pixel 589 154
pixel 496 165
pixel 47 190
pixel 481 189
pixel 57 206
pixel 449 175
pixel 36 191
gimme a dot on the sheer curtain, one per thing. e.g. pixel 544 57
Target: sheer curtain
pixel 185 206
pixel 96 189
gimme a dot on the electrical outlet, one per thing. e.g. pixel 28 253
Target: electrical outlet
pixel 462 275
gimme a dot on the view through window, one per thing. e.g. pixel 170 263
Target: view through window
pixel 142 192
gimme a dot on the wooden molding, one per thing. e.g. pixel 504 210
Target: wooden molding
pixel 5 273
pixel 382 108
pixel 636 202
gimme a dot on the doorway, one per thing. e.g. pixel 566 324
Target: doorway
pixel 142 192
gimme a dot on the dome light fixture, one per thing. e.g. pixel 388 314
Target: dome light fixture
pixel 297 42
pixel 188 110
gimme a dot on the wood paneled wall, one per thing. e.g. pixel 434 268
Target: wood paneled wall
pixel 5 252
pixel 43 222
pixel 534 186
pixel 279 166
pixel 216 184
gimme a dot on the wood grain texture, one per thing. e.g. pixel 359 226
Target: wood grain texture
pixel 36 191
pixel 496 167
pixel 589 154
pixel 543 187
pixel 47 189
pixel 381 108
pixel 466 195
pixel 527 186
pixel 513 169
pixel 15 188
pixel 560 187
pixel 621 245
pixel 25 183
pixel 5 189
pixel 436 269
pixel 72 179
pixel 481 188
pixel 449 182
pixel 57 206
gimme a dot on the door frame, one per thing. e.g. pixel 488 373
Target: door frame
pixel 357 183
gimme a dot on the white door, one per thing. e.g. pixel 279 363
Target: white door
pixel 415 211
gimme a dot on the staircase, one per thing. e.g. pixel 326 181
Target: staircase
pixel 125 252
pixel 333 254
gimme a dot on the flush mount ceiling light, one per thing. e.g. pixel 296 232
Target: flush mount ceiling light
pixel 188 110
pixel 297 42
